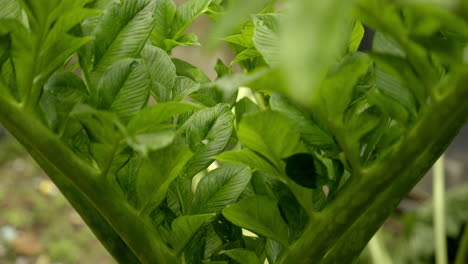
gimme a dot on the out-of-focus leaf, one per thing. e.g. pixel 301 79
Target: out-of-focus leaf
pixel 219 188
pixel 419 225
pixel 259 214
pixel 309 26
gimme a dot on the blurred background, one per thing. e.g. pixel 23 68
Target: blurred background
pixel 38 226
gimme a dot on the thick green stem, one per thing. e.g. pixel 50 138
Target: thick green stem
pixel 93 219
pixel 440 241
pixel 137 232
pixel 380 187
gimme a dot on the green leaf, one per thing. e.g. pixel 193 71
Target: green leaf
pixel 164 17
pixel 5 46
pixel 242 256
pixel 147 142
pixel 186 13
pixel 124 88
pixel 261 215
pixel 304 59
pixel 385 44
pixel 105 133
pixel 171 22
pixel 185 227
pixel 245 39
pixel 207 132
pixel 122 32
pixel 380 97
pixel 57 52
pixel 184 87
pixel 311 132
pixel 213 242
pixel 186 69
pixel 228 85
pixel 186 40
pixel 219 188
pixel 356 37
pixel 305 170
pixel 162 71
pixel 245 106
pixel 246 54
pixel 338 90
pixel 249 158
pixel 10 9
pixel 156 174
pixel 21 53
pixel 61 93
pixel 151 117
pixel 270 134
pixel 266 37
pixel 221 69
pixel 397 80
pixel 273 250
pixel 236 14
pixel 102 126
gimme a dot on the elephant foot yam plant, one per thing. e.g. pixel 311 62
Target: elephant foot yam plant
pixel 312 158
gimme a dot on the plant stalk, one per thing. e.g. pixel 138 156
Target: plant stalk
pixel 47 148
pixel 440 241
pixel 365 203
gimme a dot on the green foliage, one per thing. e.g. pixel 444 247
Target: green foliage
pixel 318 154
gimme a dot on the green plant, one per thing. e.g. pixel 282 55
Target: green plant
pixel 313 162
